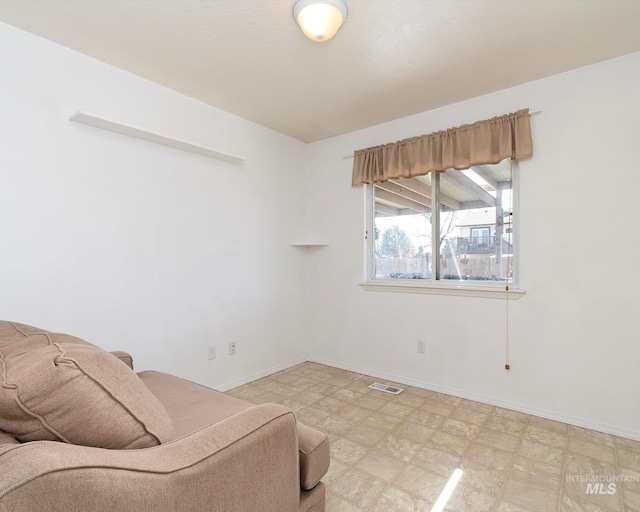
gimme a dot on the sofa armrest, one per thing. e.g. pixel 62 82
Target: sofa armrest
pixel 248 461
pixel 314 455
pixel 125 357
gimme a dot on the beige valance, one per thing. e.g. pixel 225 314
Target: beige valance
pixel 481 143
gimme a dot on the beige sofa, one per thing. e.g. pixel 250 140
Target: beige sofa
pixel 80 431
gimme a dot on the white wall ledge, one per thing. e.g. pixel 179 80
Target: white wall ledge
pixel 100 121
pixel 311 243
pixel 429 288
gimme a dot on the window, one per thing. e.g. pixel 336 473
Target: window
pixel 468 238
pixel 436 224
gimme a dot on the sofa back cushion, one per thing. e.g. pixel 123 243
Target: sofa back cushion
pixel 61 388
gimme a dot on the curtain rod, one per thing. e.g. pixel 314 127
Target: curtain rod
pixel 531 112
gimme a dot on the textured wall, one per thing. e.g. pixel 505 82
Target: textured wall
pixel 136 246
pixel 574 335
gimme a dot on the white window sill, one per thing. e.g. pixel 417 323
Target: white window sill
pixel 407 286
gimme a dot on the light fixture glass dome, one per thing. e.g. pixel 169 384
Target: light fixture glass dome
pixel 320 19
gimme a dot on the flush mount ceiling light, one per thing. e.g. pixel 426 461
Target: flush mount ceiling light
pixel 320 19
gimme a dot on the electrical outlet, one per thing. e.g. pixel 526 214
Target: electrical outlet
pixel 422 347
pixel 211 354
pixel 232 348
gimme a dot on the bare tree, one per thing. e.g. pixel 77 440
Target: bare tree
pixel 446 227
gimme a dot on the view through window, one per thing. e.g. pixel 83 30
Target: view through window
pixel 475 236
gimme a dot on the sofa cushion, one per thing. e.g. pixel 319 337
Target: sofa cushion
pixel 14 330
pixel 60 388
pixel 191 406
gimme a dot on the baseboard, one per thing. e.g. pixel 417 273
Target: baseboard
pixel 543 413
pixel 261 374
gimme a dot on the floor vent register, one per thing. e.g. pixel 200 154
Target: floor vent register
pixel 386 389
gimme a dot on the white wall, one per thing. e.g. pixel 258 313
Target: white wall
pixel 137 246
pixel 140 247
pixel 575 335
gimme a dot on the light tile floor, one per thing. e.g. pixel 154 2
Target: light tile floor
pixel 397 453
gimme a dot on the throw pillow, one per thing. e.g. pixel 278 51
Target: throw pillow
pixel 58 387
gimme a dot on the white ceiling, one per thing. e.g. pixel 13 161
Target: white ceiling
pixel 391 59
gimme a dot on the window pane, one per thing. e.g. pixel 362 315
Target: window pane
pixel 476 239
pixel 403 229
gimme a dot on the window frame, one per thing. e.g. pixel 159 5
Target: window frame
pixel 435 285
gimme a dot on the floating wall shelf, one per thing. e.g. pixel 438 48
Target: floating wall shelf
pixel 309 244
pixel 99 121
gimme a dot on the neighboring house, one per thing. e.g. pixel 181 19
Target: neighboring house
pixel 475 249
